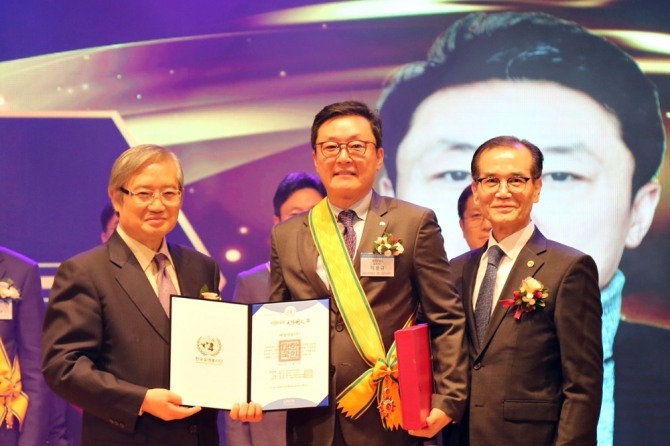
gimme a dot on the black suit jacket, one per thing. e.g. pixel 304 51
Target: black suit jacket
pixel 537 380
pixel 21 336
pixel 106 341
pixel 641 385
pixel 422 276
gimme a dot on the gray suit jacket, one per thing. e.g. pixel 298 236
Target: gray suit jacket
pixel 106 341
pixel 253 285
pixel 422 277
pixel 537 380
pixel 21 336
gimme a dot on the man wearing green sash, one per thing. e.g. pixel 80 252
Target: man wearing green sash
pixel 327 252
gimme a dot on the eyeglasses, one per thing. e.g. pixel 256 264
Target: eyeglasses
pixel 169 196
pixel 514 183
pixel 474 220
pixel 330 149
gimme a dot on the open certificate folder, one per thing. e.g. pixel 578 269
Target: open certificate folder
pixel 275 354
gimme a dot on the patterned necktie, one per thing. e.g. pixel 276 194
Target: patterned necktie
pixel 347 220
pixel 485 298
pixel 165 286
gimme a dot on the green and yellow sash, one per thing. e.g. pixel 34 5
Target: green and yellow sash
pixel 13 401
pixel 381 379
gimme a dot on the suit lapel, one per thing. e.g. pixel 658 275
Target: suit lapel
pixel 134 282
pixel 307 254
pixel 469 278
pixel 187 283
pixel 527 263
pixel 307 257
pixel 373 227
pixel 3 269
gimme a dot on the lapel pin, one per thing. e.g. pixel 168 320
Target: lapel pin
pixel 530 264
pixel 382 223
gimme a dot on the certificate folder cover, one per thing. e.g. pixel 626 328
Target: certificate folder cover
pixel 414 375
pixel 274 354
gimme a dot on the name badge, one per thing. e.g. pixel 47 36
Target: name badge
pixel 377 265
pixel 5 310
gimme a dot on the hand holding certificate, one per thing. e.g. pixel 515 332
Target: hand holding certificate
pixel 275 354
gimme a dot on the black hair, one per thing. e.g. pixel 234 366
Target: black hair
pixel 292 182
pixel 462 200
pixel 348 108
pixel 106 215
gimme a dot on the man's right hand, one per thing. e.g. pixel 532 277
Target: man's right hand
pixel 248 412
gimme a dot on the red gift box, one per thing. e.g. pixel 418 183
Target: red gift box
pixel 415 375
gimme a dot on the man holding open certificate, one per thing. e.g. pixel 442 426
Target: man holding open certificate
pixel 106 339
pixel 327 253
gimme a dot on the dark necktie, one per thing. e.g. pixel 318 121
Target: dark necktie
pixel 485 297
pixel 165 285
pixel 347 220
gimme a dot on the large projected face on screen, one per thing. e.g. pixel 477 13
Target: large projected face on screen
pixel 579 98
pixel 588 175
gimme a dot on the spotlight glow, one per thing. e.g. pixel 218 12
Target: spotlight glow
pixel 233 255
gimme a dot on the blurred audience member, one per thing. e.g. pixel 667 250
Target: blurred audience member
pixel 24 397
pixel 298 192
pixel 108 221
pixel 475 227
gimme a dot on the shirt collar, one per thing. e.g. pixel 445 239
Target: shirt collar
pixel 142 253
pixel 360 207
pixel 513 244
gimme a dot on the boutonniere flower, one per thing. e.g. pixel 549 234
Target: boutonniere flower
pixel 530 296
pixel 388 244
pixel 8 290
pixel 208 295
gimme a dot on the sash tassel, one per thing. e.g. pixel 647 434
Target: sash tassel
pixel 13 400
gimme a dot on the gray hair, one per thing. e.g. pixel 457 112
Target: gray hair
pixel 133 160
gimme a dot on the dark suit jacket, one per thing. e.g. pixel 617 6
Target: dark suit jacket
pixel 537 380
pixel 253 286
pixel 22 337
pixel 422 276
pixel 642 385
pixel 107 340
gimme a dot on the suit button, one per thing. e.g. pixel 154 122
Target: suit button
pixel 477 366
pixel 339 326
pixel 193 429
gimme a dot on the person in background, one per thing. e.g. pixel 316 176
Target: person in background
pixel 473 224
pixel 347 151
pixel 106 335
pixel 24 396
pixel 534 314
pixel 108 221
pixel 298 192
pixel 603 142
